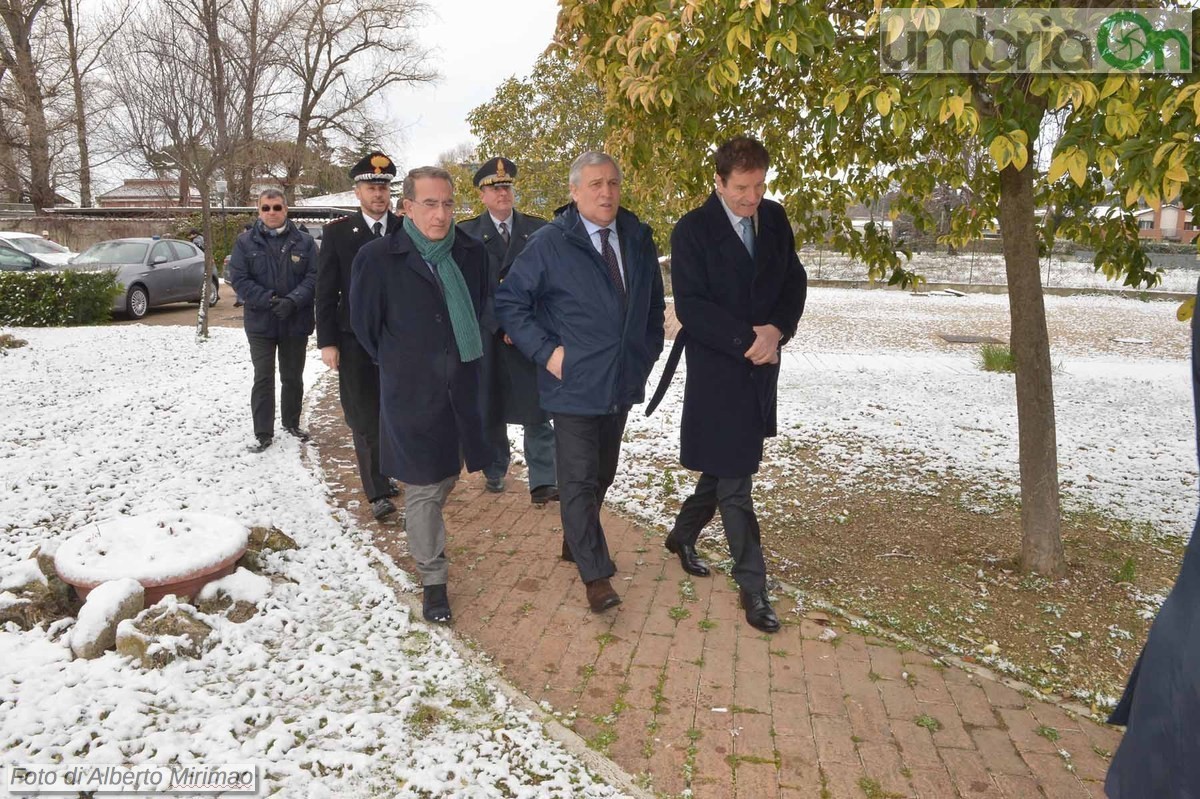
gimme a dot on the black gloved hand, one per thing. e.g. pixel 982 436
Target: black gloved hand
pixel 282 307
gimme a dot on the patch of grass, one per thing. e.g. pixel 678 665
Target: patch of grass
pixel 526 608
pixel 734 760
pixel 687 590
pixel 660 699
pixel 425 718
pixel 873 790
pixel 706 624
pixel 679 613
pixel 873 677
pixel 997 358
pixel 928 722
pixel 1049 733
pixel 602 740
pixel 695 734
pixel 1127 572
pixel 604 639
pixel 779 653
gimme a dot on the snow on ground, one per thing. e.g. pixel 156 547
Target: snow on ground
pixel 334 690
pixel 868 385
pixel 982 269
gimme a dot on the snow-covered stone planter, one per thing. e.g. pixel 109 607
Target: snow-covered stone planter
pixel 163 633
pixel 169 552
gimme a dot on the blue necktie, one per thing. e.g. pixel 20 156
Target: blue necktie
pixel 748 234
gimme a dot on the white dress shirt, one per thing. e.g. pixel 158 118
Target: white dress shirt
pixel 593 231
pixel 371 222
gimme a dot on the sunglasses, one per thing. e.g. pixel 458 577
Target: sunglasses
pixel 275 208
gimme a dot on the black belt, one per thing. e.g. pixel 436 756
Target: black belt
pixel 668 371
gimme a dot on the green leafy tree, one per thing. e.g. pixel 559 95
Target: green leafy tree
pixel 546 120
pixel 804 76
pixel 542 122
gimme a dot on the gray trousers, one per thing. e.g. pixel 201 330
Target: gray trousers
pixel 539 453
pixel 426 529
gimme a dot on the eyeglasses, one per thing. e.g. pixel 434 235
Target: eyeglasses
pixel 276 208
pixel 433 205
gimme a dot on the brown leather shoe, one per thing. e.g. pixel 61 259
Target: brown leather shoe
pixel 601 596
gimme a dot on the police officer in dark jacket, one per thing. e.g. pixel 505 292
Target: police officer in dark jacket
pixel 358 376
pixel 511 377
pixel 273 268
pixel 585 302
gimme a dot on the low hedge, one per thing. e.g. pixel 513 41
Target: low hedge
pixel 55 299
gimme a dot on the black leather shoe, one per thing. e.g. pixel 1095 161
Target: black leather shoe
pixel 260 443
pixel 566 552
pixel 543 494
pixel 495 485
pixel 382 508
pixel 393 490
pixel 435 604
pixel 688 558
pixel 759 613
pixel 298 433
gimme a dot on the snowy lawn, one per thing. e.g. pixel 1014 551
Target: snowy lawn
pixel 332 690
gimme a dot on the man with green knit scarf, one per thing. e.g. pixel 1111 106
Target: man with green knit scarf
pixel 416 295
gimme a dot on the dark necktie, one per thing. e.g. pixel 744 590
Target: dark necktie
pixel 504 231
pixel 610 258
pixel 378 229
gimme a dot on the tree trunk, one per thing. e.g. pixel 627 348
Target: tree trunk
pixel 295 161
pixel 1041 544
pixel 81 142
pixel 24 69
pixel 209 267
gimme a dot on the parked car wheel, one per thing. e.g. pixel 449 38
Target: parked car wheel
pixel 137 301
pixel 214 293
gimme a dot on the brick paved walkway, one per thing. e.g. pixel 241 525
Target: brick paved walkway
pixel 677 689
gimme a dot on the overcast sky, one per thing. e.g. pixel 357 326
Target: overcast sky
pixel 478 45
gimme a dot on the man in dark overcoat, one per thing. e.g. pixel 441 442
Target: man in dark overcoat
pixel 416 297
pixel 584 301
pixel 739 292
pixel 1160 753
pixel 273 268
pixel 358 376
pixel 512 378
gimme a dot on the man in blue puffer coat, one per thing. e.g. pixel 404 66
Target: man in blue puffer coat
pixel 273 268
pixel 584 302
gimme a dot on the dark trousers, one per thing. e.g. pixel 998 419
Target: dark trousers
pixel 586 451
pixel 358 388
pixel 291 380
pixel 539 452
pixel 732 496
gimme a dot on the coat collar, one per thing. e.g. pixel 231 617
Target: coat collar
pixel 399 244
pixel 571 223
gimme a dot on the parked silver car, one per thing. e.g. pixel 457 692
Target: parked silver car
pixel 152 271
pixel 45 250
pixel 14 260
